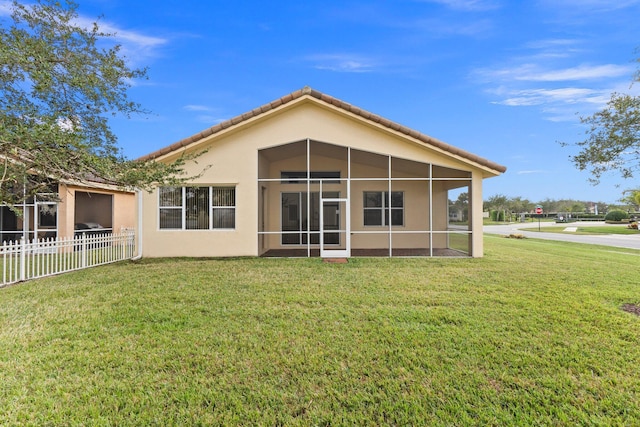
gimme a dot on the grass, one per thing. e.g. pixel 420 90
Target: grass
pixel 605 229
pixel 532 334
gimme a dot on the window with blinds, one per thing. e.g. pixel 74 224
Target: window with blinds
pixel 197 208
pixel 170 204
pixel 223 207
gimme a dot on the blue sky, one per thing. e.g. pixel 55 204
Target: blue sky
pixel 502 79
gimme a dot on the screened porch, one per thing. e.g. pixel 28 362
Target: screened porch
pixel 322 199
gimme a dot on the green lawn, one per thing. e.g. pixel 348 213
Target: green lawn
pixel 532 334
pixel 604 229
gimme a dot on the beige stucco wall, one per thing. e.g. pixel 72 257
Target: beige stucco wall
pixel 475 216
pixel 124 211
pixel 233 160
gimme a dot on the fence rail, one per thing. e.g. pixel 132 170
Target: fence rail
pixel 30 259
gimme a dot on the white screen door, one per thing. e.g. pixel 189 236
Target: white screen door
pixel 335 238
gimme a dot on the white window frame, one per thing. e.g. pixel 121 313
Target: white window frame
pixel 213 208
pixel 384 195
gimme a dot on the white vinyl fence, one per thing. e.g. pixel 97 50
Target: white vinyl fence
pixel 24 260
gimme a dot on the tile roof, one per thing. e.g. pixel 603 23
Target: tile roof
pixel 307 91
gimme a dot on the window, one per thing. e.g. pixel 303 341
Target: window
pixel 170 203
pixel 223 204
pixel 377 208
pixel 197 208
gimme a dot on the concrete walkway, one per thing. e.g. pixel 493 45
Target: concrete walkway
pixel 630 241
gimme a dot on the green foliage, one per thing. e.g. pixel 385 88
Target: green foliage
pixel 616 215
pixel 631 199
pixel 59 84
pixel 613 136
pixel 508 204
pixel 590 216
pixel 533 334
pixel 462 204
pixel 497 216
pixel 518 205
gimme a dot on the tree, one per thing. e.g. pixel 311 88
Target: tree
pixel 504 207
pixel 462 205
pixel 519 205
pixel 59 84
pixel 497 204
pixel 613 138
pixel 578 207
pixel 631 199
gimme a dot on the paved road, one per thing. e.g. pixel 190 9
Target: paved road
pixel 631 241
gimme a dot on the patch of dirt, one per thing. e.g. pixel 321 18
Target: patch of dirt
pixel 631 308
pixel 336 260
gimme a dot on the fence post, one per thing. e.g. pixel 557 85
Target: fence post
pixel 84 250
pixel 23 259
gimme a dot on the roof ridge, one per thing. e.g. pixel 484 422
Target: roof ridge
pixel 308 91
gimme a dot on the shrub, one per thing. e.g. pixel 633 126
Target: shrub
pixel 616 215
pixel 590 216
pixel 497 216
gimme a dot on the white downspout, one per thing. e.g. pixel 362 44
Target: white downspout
pixel 139 226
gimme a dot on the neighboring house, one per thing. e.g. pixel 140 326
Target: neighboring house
pixel 77 206
pixel 456 214
pixel 309 175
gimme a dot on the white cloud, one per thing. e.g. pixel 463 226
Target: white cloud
pixel 582 72
pixel 537 73
pixel 343 63
pixel 5 8
pixel 131 37
pixel 567 95
pixel 551 43
pixel 593 6
pixel 559 92
pixel 209 119
pixel 197 108
pixel 205 114
pixel 468 5
pixel 446 28
pixel 136 46
pixel 549 77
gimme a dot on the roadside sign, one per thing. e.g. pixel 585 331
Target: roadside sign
pixel 539 213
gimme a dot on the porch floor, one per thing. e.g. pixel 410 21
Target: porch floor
pixel 399 252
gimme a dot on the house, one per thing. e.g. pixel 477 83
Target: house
pixel 311 175
pixel 68 208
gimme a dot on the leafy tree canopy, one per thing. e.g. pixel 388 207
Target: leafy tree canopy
pixel 59 85
pixel 613 138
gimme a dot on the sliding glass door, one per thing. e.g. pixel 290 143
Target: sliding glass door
pixel 301 218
